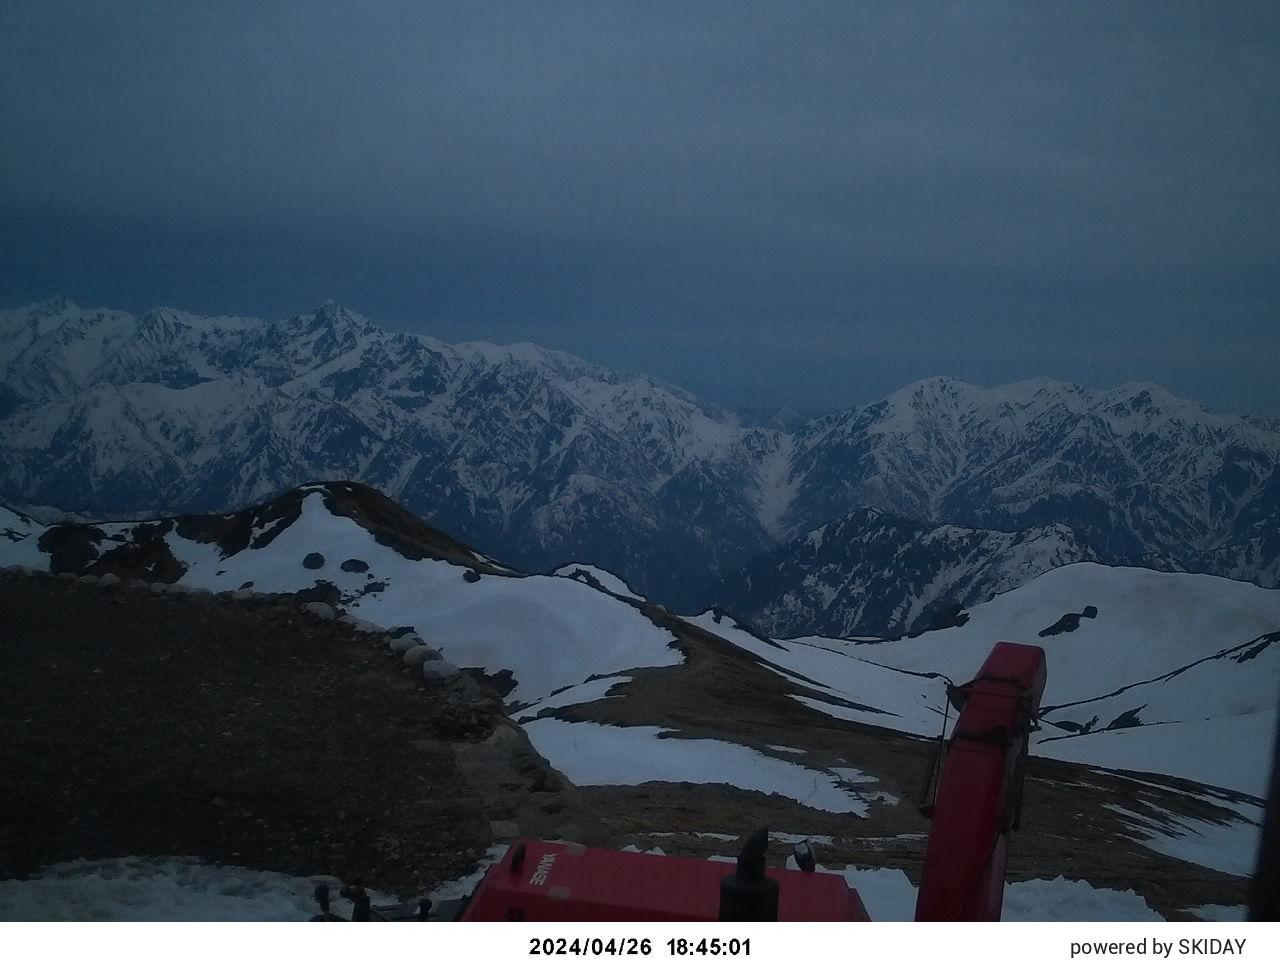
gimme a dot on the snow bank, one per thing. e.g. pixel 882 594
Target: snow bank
pixel 1063 899
pixel 1224 751
pixel 592 754
pixel 1221 913
pixel 141 888
pixel 889 895
pixel 887 697
pixel 610 581
pixel 183 888
pixel 583 693
pixel 19 541
pixel 1228 847
pixel 551 632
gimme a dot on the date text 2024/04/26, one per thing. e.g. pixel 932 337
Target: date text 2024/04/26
pixel 637 946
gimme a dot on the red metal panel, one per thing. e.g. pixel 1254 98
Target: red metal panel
pixel 964 866
pixel 570 882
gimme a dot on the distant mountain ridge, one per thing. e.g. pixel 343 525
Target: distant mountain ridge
pixel 898 575
pixel 542 458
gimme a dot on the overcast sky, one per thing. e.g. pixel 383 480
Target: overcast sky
pixel 803 204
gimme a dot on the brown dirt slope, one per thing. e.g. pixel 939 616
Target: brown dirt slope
pixel 246 732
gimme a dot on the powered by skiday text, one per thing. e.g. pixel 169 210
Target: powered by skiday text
pixel 1154 947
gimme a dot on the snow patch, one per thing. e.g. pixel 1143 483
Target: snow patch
pixel 593 754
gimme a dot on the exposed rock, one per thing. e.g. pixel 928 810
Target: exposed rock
pixel 159 587
pixel 109 580
pixel 471 576
pixel 313 561
pixel 440 671
pixel 416 656
pixel 88 580
pixel 504 829
pixel 354 566
pixel 404 642
pixel 242 594
pixel 318 609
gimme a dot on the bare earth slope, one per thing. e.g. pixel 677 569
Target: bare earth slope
pixel 238 731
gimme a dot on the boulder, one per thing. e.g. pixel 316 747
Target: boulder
pixel 319 609
pixel 109 580
pixel 416 656
pixel 242 594
pixel 404 642
pixel 159 587
pixel 440 671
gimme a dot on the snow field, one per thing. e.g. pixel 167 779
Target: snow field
pixel 592 753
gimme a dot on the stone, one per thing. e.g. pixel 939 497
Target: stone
pixel 319 609
pixel 159 587
pixel 416 656
pixel 440 671
pixel 242 594
pixel 405 641
pixel 313 561
pixel 504 829
pixel 354 566
pixel 109 580
pixel 67 577
pixel 89 580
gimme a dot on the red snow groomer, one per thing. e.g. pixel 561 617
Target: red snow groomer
pixel 973 798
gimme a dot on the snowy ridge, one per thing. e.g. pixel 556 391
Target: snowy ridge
pixel 550 632
pixel 871 573
pixel 542 457
pixel 1139 662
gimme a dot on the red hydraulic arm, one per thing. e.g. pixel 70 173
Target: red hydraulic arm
pixel 979 786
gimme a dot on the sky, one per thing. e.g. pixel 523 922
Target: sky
pixel 789 204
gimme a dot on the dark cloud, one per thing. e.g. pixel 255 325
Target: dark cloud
pixel 804 203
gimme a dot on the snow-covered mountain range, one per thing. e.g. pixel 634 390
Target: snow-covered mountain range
pixel 544 458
